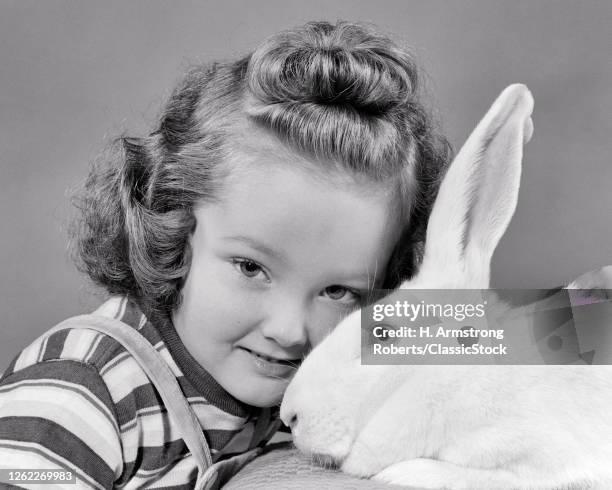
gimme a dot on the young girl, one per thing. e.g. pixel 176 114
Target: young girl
pixel 275 192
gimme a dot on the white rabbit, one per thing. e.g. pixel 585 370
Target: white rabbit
pixel 459 427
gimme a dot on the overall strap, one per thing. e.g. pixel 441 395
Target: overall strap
pixel 160 374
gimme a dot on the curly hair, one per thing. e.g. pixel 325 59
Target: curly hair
pixel 342 95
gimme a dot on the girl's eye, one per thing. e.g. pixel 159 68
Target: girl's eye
pixel 247 267
pixel 340 293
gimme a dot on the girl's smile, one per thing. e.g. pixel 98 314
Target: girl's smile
pixel 271 366
pixel 276 263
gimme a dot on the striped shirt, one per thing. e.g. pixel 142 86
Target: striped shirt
pixel 77 400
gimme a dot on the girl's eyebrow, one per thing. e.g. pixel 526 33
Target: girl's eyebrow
pixel 259 246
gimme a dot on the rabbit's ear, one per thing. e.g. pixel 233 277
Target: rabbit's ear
pixel 478 195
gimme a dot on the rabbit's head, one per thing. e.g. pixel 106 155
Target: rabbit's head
pixel 352 415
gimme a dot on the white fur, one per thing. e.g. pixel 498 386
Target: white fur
pixel 460 427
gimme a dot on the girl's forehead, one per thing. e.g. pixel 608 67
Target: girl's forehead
pixel 258 152
pixel 268 183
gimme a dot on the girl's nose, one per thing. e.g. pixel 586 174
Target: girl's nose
pixel 286 325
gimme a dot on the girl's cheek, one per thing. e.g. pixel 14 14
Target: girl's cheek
pixel 324 320
pixel 239 296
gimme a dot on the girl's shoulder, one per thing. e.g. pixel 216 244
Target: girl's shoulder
pixel 78 395
pixel 83 346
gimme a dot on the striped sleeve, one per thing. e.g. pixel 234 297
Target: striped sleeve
pixel 59 414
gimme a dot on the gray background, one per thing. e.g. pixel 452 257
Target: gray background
pixel 73 73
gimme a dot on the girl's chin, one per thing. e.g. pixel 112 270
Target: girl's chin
pixel 255 390
pixel 253 381
pixel 260 394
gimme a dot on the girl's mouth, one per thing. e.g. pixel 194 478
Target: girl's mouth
pixel 286 362
pixel 271 366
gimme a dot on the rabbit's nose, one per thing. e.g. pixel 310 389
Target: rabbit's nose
pixel 290 420
pixel 290 406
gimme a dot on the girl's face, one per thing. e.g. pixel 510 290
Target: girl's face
pixel 276 264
